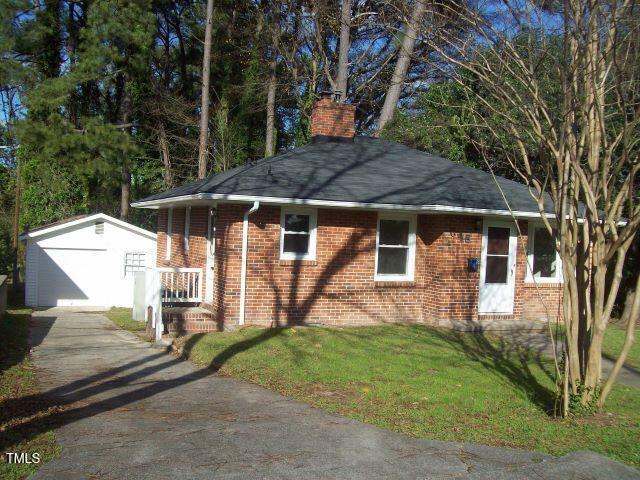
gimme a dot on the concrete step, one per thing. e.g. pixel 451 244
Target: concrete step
pixel 494 325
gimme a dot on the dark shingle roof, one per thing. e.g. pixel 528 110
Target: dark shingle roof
pixel 367 170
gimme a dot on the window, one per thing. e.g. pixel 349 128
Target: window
pixel 544 261
pixel 497 259
pixel 167 254
pixel 395 248
pixel 99 228
pixel 187 221
pixel 298 234
pixel 134 262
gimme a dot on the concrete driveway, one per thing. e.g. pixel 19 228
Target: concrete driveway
pixel 135 412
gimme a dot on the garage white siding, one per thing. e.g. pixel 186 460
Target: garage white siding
pixel 84 265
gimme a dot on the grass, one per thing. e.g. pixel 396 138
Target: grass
pixel 425 382
pixel 613 340
pixel 18 393
pixel 122 318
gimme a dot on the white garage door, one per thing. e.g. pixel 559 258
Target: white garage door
pixel 70 277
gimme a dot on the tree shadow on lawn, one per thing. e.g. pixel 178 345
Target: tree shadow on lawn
pixel 232 350
pixel 509 361
pixel 525 369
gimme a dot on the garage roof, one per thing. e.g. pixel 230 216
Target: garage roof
pixel 82 219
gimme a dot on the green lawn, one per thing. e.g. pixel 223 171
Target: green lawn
pixel 19 399
pixel 426 382
pixel 122 318
pixel 613 340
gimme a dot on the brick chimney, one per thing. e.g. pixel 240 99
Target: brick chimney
pixel 332 119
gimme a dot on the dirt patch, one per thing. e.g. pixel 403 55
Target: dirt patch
pixel 604 419
pixel 319 391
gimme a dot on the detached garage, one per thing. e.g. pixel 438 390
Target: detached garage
pixel 85 261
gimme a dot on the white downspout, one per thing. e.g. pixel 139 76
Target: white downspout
pixel 245 244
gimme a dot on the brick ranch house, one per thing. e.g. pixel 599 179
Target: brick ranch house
pixel 351 230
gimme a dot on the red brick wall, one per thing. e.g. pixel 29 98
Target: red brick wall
pixel 228 263
pixel 336 288
pixel 339 287
pixel 451 240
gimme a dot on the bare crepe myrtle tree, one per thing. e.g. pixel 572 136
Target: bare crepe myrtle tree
pixel 556 85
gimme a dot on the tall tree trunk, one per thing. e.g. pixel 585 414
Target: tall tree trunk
pixel 204 109
pixel 402 65
pixel 72 46
pixel 163 144
pixel 345 44
pixel 7 107
pixel 125 119
pixel 182 59
pixel 50 50
pixel 16 227
pixel 271 88
pixel 125 192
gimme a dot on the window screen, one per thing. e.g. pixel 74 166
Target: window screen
pixel 297 234
pixel 393 247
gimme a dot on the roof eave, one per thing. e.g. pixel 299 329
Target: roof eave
pixel 205 198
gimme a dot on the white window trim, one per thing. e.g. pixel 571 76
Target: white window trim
pixel 411 260
pixel 187 224
pixel 529 278
pixel 167 254
pixel 313 227
pixel 134 252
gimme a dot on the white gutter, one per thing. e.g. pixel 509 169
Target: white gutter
pixel 245 245
pixel 335 204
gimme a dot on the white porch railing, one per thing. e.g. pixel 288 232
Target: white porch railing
pixel 180 285
pixel 156 287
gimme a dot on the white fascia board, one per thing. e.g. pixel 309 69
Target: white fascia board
pixel 203 197
pixel 131 227
pixel 90 218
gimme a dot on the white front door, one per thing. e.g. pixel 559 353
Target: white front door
pixel 211 249
pixel 497 267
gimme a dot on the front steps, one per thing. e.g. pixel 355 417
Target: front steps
pixel 183 320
